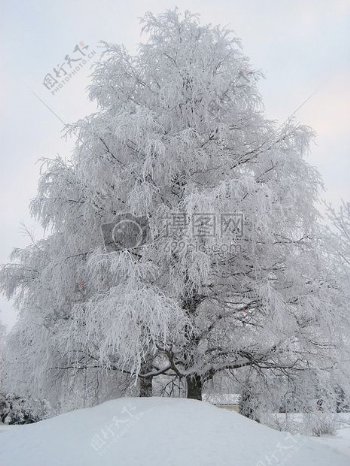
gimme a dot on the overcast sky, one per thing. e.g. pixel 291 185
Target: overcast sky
pixel 302 47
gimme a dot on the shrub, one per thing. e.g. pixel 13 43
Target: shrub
pixel 18 410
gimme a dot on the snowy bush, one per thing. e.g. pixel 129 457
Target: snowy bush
pixel 17 410
pixel 320 423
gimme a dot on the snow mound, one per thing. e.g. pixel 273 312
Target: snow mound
pixel 158 432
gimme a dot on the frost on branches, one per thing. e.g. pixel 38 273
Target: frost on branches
pixel 179 129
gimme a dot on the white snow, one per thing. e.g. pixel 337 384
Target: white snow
pixel 340 441
pixel 158 432
pixel 4 427
pixel 222 399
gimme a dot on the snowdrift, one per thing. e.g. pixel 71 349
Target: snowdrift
pixel 158 432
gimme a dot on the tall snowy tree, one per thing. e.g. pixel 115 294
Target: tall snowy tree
pixel 2 344
pixel 339 233
pixel 179 133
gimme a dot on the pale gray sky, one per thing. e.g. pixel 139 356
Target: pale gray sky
pixel 303 48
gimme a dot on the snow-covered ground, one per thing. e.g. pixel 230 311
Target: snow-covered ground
pixel 4 428
pixel 340 441
pixel 160 432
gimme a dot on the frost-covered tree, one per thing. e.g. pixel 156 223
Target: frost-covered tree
pixel 2 345
pixel 180 130
pixel 337 239
pixel 339 232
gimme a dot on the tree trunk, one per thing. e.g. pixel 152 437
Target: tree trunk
pixel 248 403
pixel 194 387
pixel 145 386
pixel 145 383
